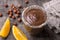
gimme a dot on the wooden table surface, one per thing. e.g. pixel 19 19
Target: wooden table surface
pixel 47 34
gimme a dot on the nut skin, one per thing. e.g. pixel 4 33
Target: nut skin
pixel 15 11
pixel 10 10
pixel 6 5
pixel 12 5
pixel 19 6
pixel 15 23
pixel 18 12
pixel 17 15
pixel 10 13
pixel 19 19
pixel 13 17
pixel 26 1
pixel 1 15
pixel 10 16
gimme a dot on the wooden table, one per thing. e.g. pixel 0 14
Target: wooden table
pixel 47 34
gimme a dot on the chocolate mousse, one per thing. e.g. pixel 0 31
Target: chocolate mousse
pixel 35 17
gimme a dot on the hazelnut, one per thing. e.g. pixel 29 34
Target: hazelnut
pixel 12 5
pixel 10 16
pixel 14 10
pixel 19 6
pixel 10 10
pixel 15 23
pixel 13 17
pixel 26 1
pixel 1 15
pixel 18 12
pixel 6 5
pixel 17 15
pixel 10 13
pixel 19 19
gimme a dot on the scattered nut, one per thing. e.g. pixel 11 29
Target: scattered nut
pixel 10 16
pixel 13 17
pixel 1 15
pixel 6 5
pixel 15 11
pixel 19 6
pixel 14 8
pixel 15 23
pixel 17 15
pixel 26 1
pixel 10 13
pixel 12 5
pixel 10 10
pixel 19 19
pixel 18 12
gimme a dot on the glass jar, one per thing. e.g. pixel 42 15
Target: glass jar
pixel 34 30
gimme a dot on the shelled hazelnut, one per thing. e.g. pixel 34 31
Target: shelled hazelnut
pixel 13 17
pixel 26 1
pixel 10 16
pixel 15 11
pixel 19 6
pixel 19 19
pixel 6 5
pixel 18 12
pixel 17 15
pixel 1 15
pixel 15 23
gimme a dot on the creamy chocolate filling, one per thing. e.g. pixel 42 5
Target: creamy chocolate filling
pixel 35 17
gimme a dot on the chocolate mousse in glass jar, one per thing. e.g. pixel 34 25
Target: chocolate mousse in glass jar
pixel 34 18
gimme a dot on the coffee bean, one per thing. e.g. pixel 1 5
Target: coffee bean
pixel 1 15
pixel 14 8
pixel 15 23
